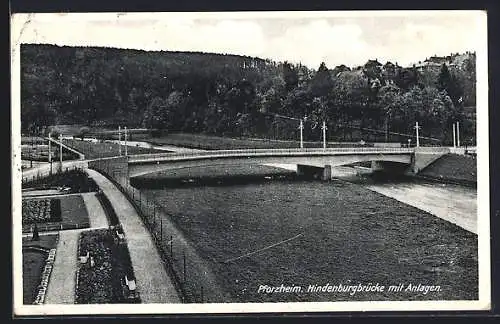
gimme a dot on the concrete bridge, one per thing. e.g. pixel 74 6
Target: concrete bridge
pixel 390 159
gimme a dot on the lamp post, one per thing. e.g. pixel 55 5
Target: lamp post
pixel 417 128
pixel 60 151
pixel 120 140
pixel 324 134
pixel 454 135
pixel 301 127
pixel 32 149
pixel 50 151
pixel 125 140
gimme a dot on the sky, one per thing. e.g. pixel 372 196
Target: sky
pixel 349 38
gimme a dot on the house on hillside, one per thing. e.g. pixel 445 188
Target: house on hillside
pixel 372 69
pixel 389 72
pixel 340 69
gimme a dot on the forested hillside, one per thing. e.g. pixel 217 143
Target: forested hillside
pixel 242 96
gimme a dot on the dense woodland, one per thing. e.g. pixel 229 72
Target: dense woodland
pixel 234 95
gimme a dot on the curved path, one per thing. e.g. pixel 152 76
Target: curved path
pixel 153 282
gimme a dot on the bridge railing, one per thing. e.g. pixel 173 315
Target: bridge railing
pixel 266 152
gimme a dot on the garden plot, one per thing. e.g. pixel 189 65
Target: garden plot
pixel 49 214
pixel 105 274
pixel 41 211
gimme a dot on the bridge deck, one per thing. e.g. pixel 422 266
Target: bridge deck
pixel 144 158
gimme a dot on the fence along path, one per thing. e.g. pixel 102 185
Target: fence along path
pixel 153 282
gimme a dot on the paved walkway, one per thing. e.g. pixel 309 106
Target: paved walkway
pixel 153 282
pixel 62 283
pixel 97 215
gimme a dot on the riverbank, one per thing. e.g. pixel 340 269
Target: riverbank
pixel 452 169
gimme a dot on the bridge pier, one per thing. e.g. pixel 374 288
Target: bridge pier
pixel 327 173
pixel 314 172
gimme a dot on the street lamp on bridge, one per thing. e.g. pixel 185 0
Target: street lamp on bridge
pixel 60 151
pixel 125 135
pixel 417 129
pixel 50 151
pixel 120 140
pixel 301 127
pixel 324 128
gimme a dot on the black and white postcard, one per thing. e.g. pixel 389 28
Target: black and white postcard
pixel 242 162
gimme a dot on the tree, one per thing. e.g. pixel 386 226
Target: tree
pixel 373 69
pixel 157 115
pixel 204 92
pixel 322 82
pixel 389 101
pixel 406 78
pixel 290 76
pixel 448 82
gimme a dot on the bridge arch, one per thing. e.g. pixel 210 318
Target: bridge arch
pixel 146 167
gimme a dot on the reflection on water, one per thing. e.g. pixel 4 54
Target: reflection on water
pixel 454 203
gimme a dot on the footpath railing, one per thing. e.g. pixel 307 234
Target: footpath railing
pixel 179 258
pixel 48 227
pixel 268 152
pixel 81 156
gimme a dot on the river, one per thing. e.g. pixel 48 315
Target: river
pixel 453 203
pixel 308 232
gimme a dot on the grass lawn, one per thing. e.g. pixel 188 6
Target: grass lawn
pixel 99 150
pixel 209 142
pixel 33 264
pixel 313 233
pixel 74 211
pixel 41 153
